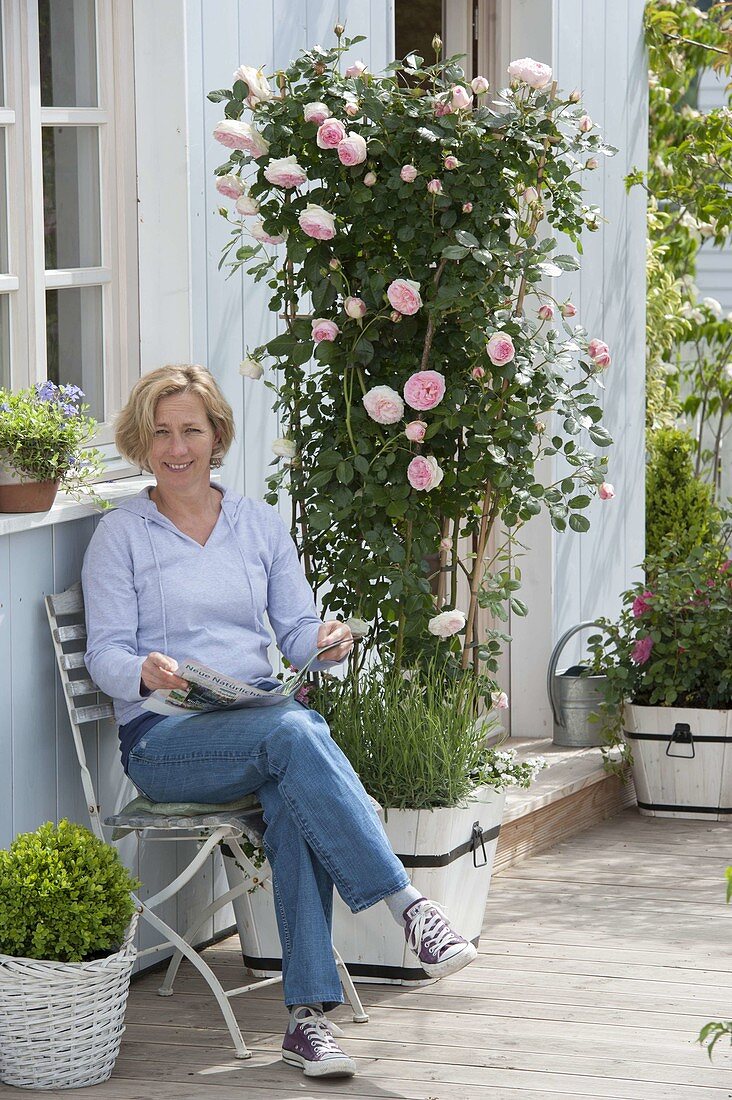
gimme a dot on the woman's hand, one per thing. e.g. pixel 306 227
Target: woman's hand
pixel 334 631
pixel 158 672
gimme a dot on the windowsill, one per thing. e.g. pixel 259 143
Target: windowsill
pixel 65 509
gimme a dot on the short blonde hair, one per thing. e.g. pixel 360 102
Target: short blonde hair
pixel 135 426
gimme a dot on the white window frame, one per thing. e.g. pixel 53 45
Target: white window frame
pixel 117 275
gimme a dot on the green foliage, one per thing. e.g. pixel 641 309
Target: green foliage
pixel 412 737
pixel 680 513
pixel 45 435
pixel 478 251
pixel 64 895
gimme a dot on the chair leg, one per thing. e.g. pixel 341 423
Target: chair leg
pixel 166 989
pixel 359 1016
pixel 206 972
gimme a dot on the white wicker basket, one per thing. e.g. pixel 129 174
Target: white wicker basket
pixel 61 1024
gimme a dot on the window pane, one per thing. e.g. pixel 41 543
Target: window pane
pixel 4 258
pixel 5 341
pixel 71 196
pixel 68 50
pixel 416 22
pixel 74 341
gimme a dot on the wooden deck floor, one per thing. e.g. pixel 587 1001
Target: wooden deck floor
pixel 600 961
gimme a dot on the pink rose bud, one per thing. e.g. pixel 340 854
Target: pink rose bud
pixel 592 163
pixel 330 134
pixel 434 187
pixel 323 329
pixel 257 230
pixel 352 150
pixel 415 430
pixel 568 310
pixel 442 107
pixel 461 98
pixel 383 404
pixel 546 312
pixel 480 85
pixel 317 222
pixel 316 112
pixel 334 263
pixel 424 390
pixel 352 108
pixel 408 173
pixel 247 206
pixel 231 186
pixel 533 73
pixel 499 700
pixel 423 473
pixel 446 544
pixel 599 353
pixel 500 349
pixel 467 208
pixel 585 124
pixel 447 623
pixel 355 307
pixel 530 194
pixel 395 316
pixel 606 491
pixel 285 172
pixel 574 95
pixel 404 296
pixel 357 68
pixel 478 373
pixel 369 179
pixel 451 162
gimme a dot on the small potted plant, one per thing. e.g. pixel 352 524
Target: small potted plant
pixel 45 438
pixel 67 922
pixel 668 697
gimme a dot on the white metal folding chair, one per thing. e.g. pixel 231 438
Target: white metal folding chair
pixel 86 703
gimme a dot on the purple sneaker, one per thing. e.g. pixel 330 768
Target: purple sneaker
pixel 439 948
pixel 309 1045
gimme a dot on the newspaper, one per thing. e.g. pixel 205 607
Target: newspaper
pixel 210 690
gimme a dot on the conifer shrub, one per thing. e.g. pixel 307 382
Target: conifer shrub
pixel 679 507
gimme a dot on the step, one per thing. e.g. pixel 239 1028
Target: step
pixel 573 793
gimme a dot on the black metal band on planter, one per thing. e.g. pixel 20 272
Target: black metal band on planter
pixel 699 737
pixel 686 809
pixel 476 844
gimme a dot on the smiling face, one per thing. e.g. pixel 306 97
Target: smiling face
pixel 184 439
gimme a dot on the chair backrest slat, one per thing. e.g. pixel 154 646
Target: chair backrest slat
pixel 70 633
pixel 82 687
pixel 71 660
pixel 70 602
pixel 92 714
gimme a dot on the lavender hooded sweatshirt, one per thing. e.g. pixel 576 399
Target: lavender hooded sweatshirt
pixel 147 586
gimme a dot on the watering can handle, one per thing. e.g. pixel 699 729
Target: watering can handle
pixel 554 661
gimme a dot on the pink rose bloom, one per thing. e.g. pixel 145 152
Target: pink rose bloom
pixel 499 700
pixel 533 73
pixel 641 605
pixel 546 312
pixel 606 491
pixel 257 83
pixel 460 98
pixel 568 310
pixel 330 133
pixel 355 307
pixel 303 694
pixel 478 373
pixel 257 230
pixel 323 329
pixel 599 353
pixel 404 296
pixel 231 186
pixel 424 390
pixel 641 651
pixel 451 163
pixel 369 179
pixel 434 187
pixel 408 173
pixel 317 222
pixel 585 124
pixel 446 623
pixel 423 473
pixel 500 349
pixel 285 172
pixel 415 430
pixel 352 150
pixel 442 107
pixel 480 85
pixel 356 69
pixel 316 112
pixel 246 206
pixel 467 208
pixel 383 404
pixel 240 135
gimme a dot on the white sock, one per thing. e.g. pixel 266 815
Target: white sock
pixel 402 900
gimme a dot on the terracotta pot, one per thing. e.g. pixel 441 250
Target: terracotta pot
pixel 20 494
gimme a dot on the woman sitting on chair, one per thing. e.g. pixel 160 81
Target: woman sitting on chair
pixel 188 569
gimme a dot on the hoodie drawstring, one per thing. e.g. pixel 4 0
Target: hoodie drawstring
pixel 160 585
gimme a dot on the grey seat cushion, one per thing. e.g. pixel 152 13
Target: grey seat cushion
pixel 244 815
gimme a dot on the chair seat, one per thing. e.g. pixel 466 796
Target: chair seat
pixel 244 815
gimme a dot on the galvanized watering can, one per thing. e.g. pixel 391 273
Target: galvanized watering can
pixel 573 698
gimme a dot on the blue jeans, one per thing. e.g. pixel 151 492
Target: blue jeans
pixel 321 828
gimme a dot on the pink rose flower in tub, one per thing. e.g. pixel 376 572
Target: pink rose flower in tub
pixel 317 222
pixel 500 349
pixel 423 473
pixel 446 623
pixel 323 329
pixel 352 150
pixel 316 112
pixel 415 430
pixel 533 73
pixel 330 134
pixel 231 186
pixel 383 404
pixel 240 135
pixel 404 296
pixel 424 389
pixel 285 172
pixel 599 353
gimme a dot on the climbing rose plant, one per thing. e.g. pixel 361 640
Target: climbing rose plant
pixel 418 222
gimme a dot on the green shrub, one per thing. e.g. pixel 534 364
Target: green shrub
pixel 64 895
pixel 679 507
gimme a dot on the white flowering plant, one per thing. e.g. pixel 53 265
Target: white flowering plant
pixel 501 768
pixel 406 224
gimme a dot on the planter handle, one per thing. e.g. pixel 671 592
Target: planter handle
pixel 554 661
pixel 681 735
